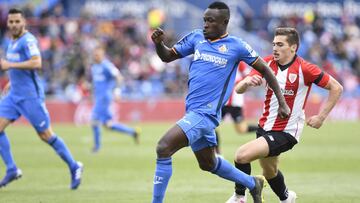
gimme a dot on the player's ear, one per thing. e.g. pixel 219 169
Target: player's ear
pixel 294 48
pixel 226 21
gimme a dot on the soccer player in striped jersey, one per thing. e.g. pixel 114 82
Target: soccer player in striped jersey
pixel 26 97
pixel 234 107
pixel 105 77
pixel 275 135
pixel 211 79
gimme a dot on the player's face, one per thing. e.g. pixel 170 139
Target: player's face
pixel 16 24
pixel 282 51
pixel 98 55
pixel 214 24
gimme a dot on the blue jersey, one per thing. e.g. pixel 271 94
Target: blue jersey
pixel 104 80
pixel 24 84
pixel 212 71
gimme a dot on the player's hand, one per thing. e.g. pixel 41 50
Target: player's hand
pixel 158 36
pixel 4 64
pixel 284 111
pixel 315 121
pixel 254 80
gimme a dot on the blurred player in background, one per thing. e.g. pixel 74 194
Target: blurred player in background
pixel 275 136
pixel 105 78
pixel 234 107
pixel 211 79
pixel 26 97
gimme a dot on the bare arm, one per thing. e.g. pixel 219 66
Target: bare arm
pixel 335 91
pixel 165 53
pixel 31 64
pixel 261 66
pixel 248 81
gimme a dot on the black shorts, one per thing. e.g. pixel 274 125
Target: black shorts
pixel 278 141
pixel 236 113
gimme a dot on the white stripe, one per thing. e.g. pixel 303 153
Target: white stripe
pixel 281 77
pixel 296 121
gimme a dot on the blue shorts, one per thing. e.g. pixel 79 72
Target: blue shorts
pixel 34 110
pixel 199 129
pixel 101 113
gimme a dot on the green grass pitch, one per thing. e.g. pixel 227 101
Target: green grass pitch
pixel 324 167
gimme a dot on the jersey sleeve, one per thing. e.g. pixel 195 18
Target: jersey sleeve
pixel 185 46
pixel 247 53
pixel 31 48
pixel 313 74
pixel 111 69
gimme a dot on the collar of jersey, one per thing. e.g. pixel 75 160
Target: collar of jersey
pixel 20 36
pixel 221 37
pixel 284 67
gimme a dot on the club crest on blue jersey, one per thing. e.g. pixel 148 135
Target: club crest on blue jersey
pixel 223 48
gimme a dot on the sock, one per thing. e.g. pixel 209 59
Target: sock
pixel 277 184
pixel 5 152
pixel 246 168
pixel 97 136
pixel 61 149
pixel 163 173
pixel 226 170
pixel 122 128
pixel 252 128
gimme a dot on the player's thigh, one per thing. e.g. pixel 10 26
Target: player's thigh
pixel 252 150
pixel 35 111
pixel 269 166
pixel 173 140
pixel 242 126
pixel 206 158
pixel 8 112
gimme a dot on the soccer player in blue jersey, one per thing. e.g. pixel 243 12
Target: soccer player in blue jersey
pixel 26 97
pixel 105 77
pixel 211 80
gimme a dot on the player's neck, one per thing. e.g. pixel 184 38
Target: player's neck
pixel 18 36
pixel 287 60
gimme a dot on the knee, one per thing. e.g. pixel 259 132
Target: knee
pixel 207 165
pixel 242 157
pixel 44 137
pixel 163 149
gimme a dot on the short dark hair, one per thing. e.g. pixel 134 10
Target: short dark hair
pixel 16 11
pixel 291 33
pixel 223 6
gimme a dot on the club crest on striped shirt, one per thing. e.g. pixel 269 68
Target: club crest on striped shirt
pixel 292 77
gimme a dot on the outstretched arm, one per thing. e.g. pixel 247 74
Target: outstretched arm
pixel 261 66
pixel 32 63
pixel 165 53
pixel 335 90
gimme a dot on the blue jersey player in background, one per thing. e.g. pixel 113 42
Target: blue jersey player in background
pixel 105 77
pixel 211 80
pixel 26 97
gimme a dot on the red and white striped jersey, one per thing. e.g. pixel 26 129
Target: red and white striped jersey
pixel 295 80
pixel 235 99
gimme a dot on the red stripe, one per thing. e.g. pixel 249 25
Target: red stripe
pixel 280 124
pixel 269 94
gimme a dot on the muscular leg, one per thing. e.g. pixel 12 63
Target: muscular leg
pixel 247 153
pixel 274 176
pixel 5 150
pixel 58 145
pixel 171 142
pixel 216 165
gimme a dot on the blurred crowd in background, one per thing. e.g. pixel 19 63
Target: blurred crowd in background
pixel 66 44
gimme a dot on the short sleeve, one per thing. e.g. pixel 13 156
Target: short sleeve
pixel 185 46
pixel 111 69
pixel 255 72
pixel 31 48
pixel 247 53
pixel 313 74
